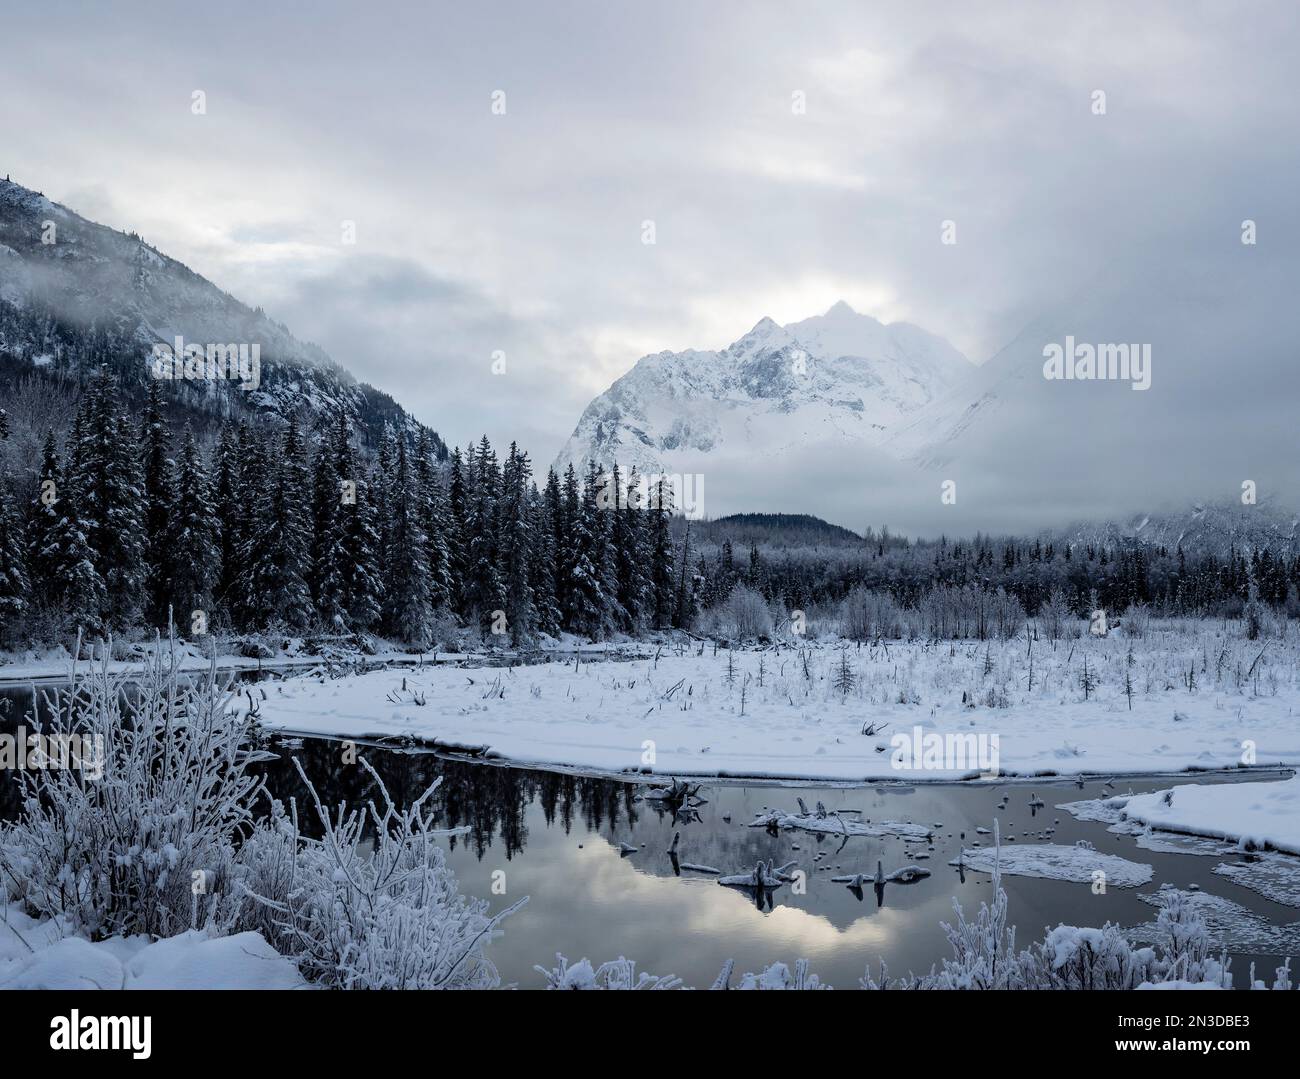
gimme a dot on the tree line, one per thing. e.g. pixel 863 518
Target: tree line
pixel 1167 580
pixel 133 525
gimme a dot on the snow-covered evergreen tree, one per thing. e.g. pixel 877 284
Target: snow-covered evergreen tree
pixel 660 546
pixel 544 558
pixel 330 493
pixel 589 603
pixel 627 540
pixel 61 565
pixel 557 511
pixel 434 521
pixel 191 546
pixel 159 493
pixel 275 556
pixel 484 590
pixel 15 585
pixel 407 614
pixel 457 523
pixel 108 492
pixel 363 588
pixel 516 523
pixel 230 505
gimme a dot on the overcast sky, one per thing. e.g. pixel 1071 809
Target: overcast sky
pixel 521 232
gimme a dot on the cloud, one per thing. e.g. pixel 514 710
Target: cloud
pixel 522 232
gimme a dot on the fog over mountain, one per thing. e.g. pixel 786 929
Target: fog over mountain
pixel 858 439
pixel 74 294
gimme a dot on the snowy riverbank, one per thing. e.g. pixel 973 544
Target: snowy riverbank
pixel 942 711
pixel 292 654
pixel 1261 815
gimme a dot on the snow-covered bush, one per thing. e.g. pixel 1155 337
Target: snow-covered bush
pixel 445 633
pixel 1054 615
pixel 866 615
pixel 372 904
pixel 163 836
pixel 149 845
pixel 744 615
pixel 776 976
pixel 1068 957
pixel 619 973
pixel 1136 620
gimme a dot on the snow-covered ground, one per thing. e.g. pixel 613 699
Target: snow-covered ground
pixel 38 955
pixel 794 713
pixel 1263 815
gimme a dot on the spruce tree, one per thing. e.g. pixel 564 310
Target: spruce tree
pixel 229 502
pixel 191 547
pixel 329 494
pixel 276 534
pixel 407 614
pixel 516 523
pixel 630 554
pixel 361 573
pixel 62 571
pixel 288 593
pixel 457 525
pixel 544 558
pixel 590 604
pixel 662 585
pixel 159 486
pixel 15 585
pixel 561 545
pixel 108 492
pixel 359 537
pixel 433 512
pixel 484 591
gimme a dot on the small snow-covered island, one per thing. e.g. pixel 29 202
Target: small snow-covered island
pixel 806 523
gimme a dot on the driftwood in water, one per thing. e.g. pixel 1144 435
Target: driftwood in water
pixel 761 876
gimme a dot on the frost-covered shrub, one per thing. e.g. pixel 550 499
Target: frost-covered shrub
pixel 776 976
pixel 1137 620
pixel 866 615
pixel 1054 615
pixel 372 904
pixel 167 838
pixel 148 847
pixel 1068 957
pixel 619 973
pixel 445 633
pixel 745 615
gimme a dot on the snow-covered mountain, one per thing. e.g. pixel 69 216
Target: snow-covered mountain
pixel 833 380
pixel 74 294
pixel 1216 528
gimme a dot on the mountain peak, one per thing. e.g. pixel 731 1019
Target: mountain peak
pixel 834 379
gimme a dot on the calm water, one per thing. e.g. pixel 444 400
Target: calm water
pixel 556 837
